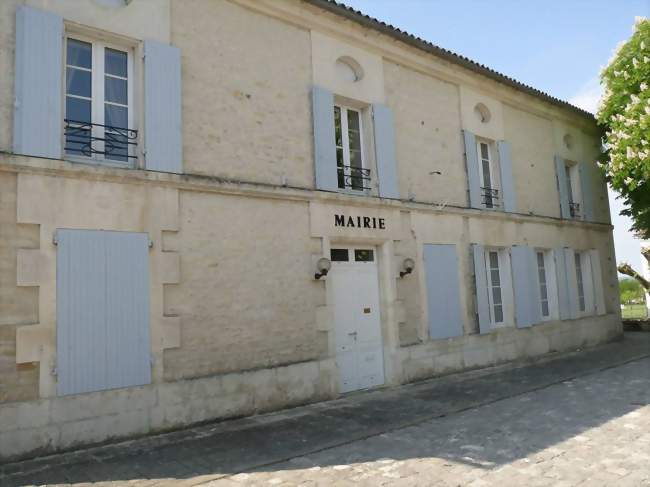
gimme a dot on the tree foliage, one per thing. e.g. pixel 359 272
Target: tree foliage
pixel 624 113
pixel 631 291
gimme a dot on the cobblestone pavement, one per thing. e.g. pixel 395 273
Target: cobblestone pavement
pixel 576 419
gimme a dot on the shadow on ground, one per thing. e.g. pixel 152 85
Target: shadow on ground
pixel 483 419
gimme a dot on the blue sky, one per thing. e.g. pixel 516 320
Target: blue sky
pixel 556 46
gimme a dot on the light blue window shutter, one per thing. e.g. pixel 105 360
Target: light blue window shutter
pixel 38 114
pixel 563 191
pixel 597 276
pixel 385 151
pixel 102 326
pixel 471 160
pixel 507 183
pixel 80 311
pixel 572 282
pixel 162 108
pixel 562 284
pixel 482 303
pixel 128 350
pixel 525 284
pixel 324 141
pixel 586 186
pixel 443 291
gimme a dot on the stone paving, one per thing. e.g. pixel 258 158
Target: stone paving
pixel 576 419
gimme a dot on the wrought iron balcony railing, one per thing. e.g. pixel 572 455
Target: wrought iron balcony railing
pixel 355 178
pixel 490 197
pixel 88 139
pixel 574 209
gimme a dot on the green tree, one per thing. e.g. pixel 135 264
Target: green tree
pixel 631 290
pixel 624 113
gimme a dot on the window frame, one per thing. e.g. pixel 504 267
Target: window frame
pixel 505 285
pixel 492 173
pixel 345 140
pixel 572 178
pixel 99 44
pixel 551 284
pixel 589 288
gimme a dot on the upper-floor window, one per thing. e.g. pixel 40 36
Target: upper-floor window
pixel 487 175
pixel 350 166
pixel 573 188
pixel 99 102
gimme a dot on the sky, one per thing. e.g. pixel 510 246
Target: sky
pixel 557 46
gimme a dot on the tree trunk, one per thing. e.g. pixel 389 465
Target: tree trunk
pixel 628 271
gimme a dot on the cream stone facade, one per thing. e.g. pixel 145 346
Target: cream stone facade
pixel 237 320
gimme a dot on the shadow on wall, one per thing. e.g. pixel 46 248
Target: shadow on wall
pixel 495 423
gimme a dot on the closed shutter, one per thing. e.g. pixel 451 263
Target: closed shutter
pixel 572 282
pixel 526 286
pixel 482 302
pixel 38 117
pixel 587 188
pixel 102 324
pixel 562 283
pixel 443 291
pixel 597 276
pixel 563 191
pixel 324 141
pixel 385 151
pixel 471 160
pixel 507 183
pixel 162 108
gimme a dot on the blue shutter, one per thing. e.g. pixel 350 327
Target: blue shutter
pixel 562 283
pixel 324 142
pixel 443 291
pixel 38 116
pixel 507 184
pixel 586 186
pixel 572 281
pixel 597 276
pixel 563 191
pixel 471 159
pixel 80 311
pixel 385 151
pixel 525 285
pixel 162 108
pixel 102 326
pixel 128 350
pixel 482 303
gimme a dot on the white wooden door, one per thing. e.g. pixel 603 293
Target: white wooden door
pixel 355 293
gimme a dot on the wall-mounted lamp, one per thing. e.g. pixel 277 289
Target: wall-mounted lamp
pixel 323 265
pixel 407 267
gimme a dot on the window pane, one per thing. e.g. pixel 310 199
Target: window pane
pixel 582 303
pixel 115 90
pixel 542 276
pixel 496 295
pixel 339 255
pixel 494 276
pixel 498 314
pixel 364 255
pixel 115 62
pixel 355 140
pixel 78 82
pixel 540 259
pixel 337 127
pixel 485 154
pixel 543 292
pixel 355 159
pixel 353 121
pixel 486 175
pixel 545 308
pixel 494 260
pixel 77 141
pixel 116 146
pixel 79 54
pixel 340 172
pixel 115 116
pixel 77 109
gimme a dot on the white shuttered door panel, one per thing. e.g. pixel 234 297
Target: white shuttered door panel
pixel 102 310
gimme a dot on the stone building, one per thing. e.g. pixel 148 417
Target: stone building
pixel 244 205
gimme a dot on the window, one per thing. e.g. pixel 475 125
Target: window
pixel 99 102
pixel 489 193
pixel 543 285
pixel 580 282
pixel 571 174
pixel 339 255
pixel 494 278
pixel 350 168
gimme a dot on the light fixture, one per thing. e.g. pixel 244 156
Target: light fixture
pixel 407 265
pixel 323 265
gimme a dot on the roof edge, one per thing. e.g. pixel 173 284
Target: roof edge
pixel 403 36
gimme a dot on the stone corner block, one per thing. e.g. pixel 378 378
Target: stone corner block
pixel 31 341
pixel 32 267
pixel 170 332
pixel 170 265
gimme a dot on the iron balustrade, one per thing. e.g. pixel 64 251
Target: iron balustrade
pixel 490 197
pixel 356 178
pixel 88 139
pixel 574 209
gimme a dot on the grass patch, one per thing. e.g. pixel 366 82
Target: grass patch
pixel 634 312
